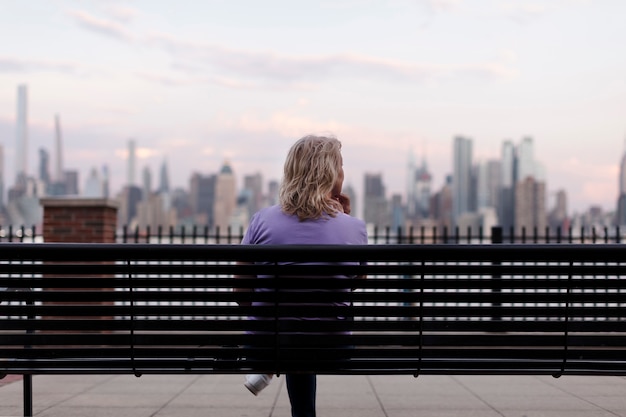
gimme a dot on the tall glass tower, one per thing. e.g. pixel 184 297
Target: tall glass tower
pixel 131 163
pixel 22 135
pixel 462 176
pixel 620 216
pixel 525 160
pixel 58 166
pixel 1 176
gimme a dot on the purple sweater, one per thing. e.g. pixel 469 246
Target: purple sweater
pixel 271 226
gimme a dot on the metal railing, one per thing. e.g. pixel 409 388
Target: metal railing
pixel 197 234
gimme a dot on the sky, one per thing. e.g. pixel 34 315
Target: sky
pixel 196 83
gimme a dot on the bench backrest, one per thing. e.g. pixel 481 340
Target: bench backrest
pixel 424 309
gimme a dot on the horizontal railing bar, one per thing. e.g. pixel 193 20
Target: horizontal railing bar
pixel 311 253
pixel 406 267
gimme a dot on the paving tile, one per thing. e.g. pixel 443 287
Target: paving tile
pixel 213 412
pixel 443 413
pixel 341 396
pixel 9 411
pixel 552 413
pixel 63 411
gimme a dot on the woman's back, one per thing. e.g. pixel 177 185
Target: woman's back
pixel 271 226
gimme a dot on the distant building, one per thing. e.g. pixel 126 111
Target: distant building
pixel 522 204
pixel 398 218
pixel 147 182
pixel 132 157
pixel 2 182
pixel 44 167
pixel 21 147
pixel 442 206
pixel 106 192
pixel 462 176
pixel 418 192
pixel 164 178
pixel 253 191
pixel 225 196
pixel 375 207
pixel 530 206
pixel 71 182
pixel 93 186
pixel 129 199
pixel 272 193
pixel 557 218
pixel 620 214
pixel 152 213
pixel 202 198
pixel 506 207
pixel 487 179
pixel 180 202
pixel 349 191
pixel 58 166
pixel 23 208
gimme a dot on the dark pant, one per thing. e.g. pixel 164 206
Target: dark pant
pixel 301 389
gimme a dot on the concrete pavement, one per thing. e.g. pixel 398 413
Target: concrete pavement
pixel 338 396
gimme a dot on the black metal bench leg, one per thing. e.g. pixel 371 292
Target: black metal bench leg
pixel 28 395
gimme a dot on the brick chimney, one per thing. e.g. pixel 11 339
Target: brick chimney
pixel 79 220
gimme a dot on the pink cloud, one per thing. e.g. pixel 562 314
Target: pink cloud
pixel 101 26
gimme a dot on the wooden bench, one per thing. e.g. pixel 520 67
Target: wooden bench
pixel 424 309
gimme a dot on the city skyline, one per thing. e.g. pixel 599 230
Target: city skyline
pixel 215 81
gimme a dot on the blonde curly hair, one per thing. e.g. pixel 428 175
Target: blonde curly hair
pixel 310 172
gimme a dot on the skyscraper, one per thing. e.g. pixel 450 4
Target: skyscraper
pixel 21 147
pixel 131 163
pixel 164 178
pixel 105 181
pixel 202 198
pixel 253 189
pixel 620 215
pixel 558 216
pixel 530 206
pixel 525 160
pixel 462 176
pixel 1 176
pixel 272 193
pixel 418 190
pixel 375 207
pixel 44 167
pixel 523 197
pixel 225 196
pixel 58 166
pixel 93 185
pixel 506 207
pixel 147 183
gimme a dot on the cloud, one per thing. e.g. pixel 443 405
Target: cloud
pixel 279 123
pixel 165 79
pixel 102 26
pixel 177 143
pixel 26 65
pixel 119 110
pixel 524 12
pixel 441 5
pixel 305 71
pixel 123 14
